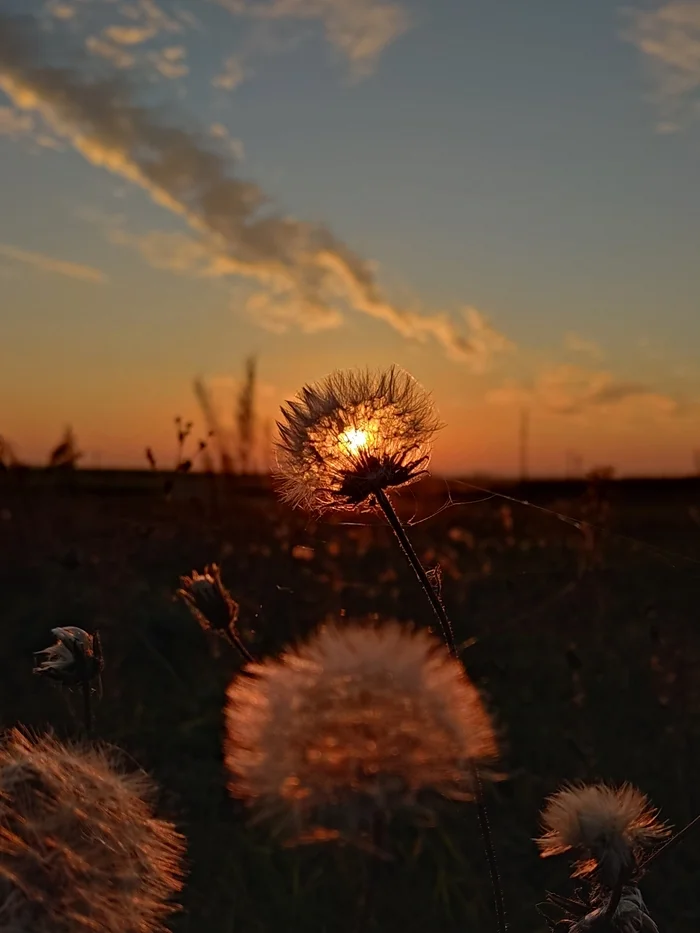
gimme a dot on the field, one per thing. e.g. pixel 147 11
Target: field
pixel 585 640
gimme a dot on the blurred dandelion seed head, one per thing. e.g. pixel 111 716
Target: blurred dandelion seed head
pixel 351 434
pixel 80 848
pixel 609 825
pixel 358 720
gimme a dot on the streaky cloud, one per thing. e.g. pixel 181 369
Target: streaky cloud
pixel 71 270
pixel 303 265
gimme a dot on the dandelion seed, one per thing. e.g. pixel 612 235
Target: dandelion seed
pixel 80 848
pixel 609 826
pixel 351 435
pixel 358 721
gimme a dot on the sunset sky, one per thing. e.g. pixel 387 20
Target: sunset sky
pixel 501 196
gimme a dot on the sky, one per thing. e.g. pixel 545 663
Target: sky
pixel 501 197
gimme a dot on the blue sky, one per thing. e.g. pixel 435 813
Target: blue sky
pixel 536 164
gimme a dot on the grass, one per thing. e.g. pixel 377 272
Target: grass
pixel 587 647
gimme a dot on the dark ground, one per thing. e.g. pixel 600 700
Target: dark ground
pixel 587 647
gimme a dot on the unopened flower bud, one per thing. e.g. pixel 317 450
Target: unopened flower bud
pixel 212 605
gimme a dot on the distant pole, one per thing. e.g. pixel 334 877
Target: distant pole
pixel 524 444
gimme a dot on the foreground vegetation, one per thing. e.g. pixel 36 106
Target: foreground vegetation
pixel 586 644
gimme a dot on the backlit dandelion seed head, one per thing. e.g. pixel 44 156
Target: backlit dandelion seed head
pixel 609 826
pixel 80 847
pixel 351 434
pixel 356 721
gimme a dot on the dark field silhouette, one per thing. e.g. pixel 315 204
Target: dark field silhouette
pixel 584 641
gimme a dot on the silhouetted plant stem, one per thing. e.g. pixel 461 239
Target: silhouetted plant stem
pixel 614 901
pixel 487 839
pixel 87 707
pixel 373 877
pixel 418 569
pixel 672 841
pixel 446 626
pixel 237 643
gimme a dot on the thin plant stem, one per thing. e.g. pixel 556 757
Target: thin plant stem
pixel 368 898
pixel 446 626
pixel 237 643
pixel 87 706
pixel 614 901
pixel 672 841
pixel 414 561
pixel 487 839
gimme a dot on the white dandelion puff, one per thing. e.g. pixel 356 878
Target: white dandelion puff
pixel 351 434
pixel 359 720
pixel 608 826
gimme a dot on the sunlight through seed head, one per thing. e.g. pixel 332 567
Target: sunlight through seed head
pixel 352 434
pixel 353 440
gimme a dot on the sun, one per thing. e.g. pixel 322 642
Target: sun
pixel 353 440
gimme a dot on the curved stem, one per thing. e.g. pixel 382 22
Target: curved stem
pixel 614 901
pixel 418 569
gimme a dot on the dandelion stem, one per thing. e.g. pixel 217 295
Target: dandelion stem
pixel 485 827
pixel 614 901
pixel 417 567
pixel 446 625
pixel 237 643
pixel 87 706
pixel 374 875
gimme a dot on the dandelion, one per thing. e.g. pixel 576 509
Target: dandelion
pixel 212 605
pixel 347 439
pixel 80 847
pixel 358 721
pixel 75 658
pixel 352 435
pixel 609 827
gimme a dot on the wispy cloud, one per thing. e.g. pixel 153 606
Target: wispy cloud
pixel 129 35
pixel 170 62
pixel 669 37
pixel 110 51
pixel 575 343
pixel 71 270
pixel 573 390
pixel 14 123
pixel 170 251
pixel 232 74
pixel 234 145
pixel 17 124
pixel 360 30
pixel 301 263
pixel 61 10
pixel 138 23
